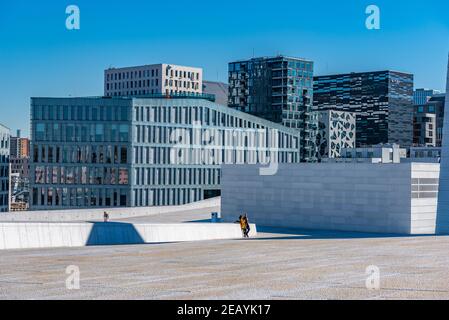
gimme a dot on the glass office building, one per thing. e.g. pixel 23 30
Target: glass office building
pixel 422 96
pixel 119 151
pixel 428 122
pixel 382 102
pixel 4 168
pixel 279 89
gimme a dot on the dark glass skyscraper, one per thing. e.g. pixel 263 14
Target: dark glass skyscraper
pixel 279 89
pixel 382 100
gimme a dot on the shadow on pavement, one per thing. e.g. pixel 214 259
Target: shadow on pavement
pixel 199 221
pixel 113 233
pixel 274 233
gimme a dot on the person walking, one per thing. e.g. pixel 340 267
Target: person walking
pixel 247 227
pixel 106 216
pixel 242 225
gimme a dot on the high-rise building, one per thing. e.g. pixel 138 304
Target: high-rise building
pixel 4 168
pixel 336 131
pixel 24 148
pixel 428 122
pixel 14 145
pixel 218 89
pixel 119 151
pixel 279 89
pixel 382 101
pixel 19 147
pixel 442 223
pixel 157 79
pixel 422 96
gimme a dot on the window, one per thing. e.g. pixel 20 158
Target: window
pixel 123 155
pixel 124 132
pixel 123 176
pixel 99 132
pixel 40 131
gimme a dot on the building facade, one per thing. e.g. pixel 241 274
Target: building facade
pixel 19 174
pixel 337 130
pixel 422 96
pixel 157 79
pixel 19 147
pixel 4 168
pixel 428 122
pixel 383 102
pixel 278 89
pixel 112 152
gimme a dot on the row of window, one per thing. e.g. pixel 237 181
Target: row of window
pixel 81 175
pixel 80 113
pixel 255 65
pixel 182 84
pixel 121 75
pixel 176 176
pixel 79 197
pixel 232 137
pixel 208 156
pixel 89 154
pixel 132 84
pixel 170 72
pixel 130 93
pixel 190 115
pixel 62 132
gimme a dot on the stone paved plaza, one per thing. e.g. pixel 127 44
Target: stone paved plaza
pixel 293 265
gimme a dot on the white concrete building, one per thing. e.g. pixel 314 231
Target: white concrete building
pixel 381 198
pixel 336 132
pixel 443 200
pixel 157 79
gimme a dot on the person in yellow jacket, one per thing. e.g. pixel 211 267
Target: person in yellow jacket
pixel 241 221
pixel 247 228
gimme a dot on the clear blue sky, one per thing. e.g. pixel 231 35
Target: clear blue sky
pixel 40 57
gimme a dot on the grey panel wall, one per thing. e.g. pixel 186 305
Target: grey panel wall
pixel 349 197
pixel 443 200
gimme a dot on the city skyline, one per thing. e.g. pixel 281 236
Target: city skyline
pixel 239 151
pixel 42 58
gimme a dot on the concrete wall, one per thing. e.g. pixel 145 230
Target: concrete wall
pixel 443 201
pixel 97 214
pixel 48 235
pixel 347 196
